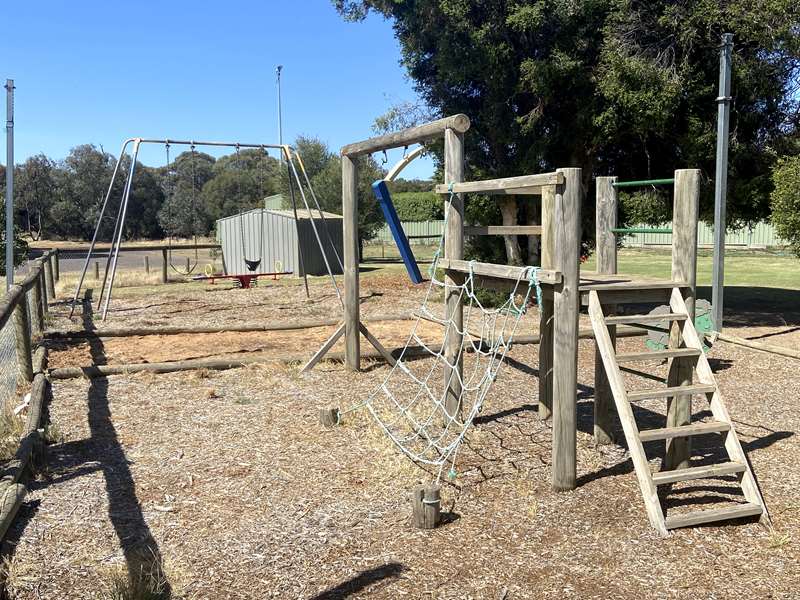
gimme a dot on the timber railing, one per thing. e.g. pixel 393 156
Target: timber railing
pixel 23 363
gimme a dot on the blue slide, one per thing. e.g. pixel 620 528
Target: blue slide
pixel 385 200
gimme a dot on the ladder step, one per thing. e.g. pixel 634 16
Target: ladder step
pixel 749 509
pixel 657 355
pixel 637 319
pixel 701 388
pixel 704 472
pixel 667 433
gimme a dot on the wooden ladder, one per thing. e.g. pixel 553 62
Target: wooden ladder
pixel 690 348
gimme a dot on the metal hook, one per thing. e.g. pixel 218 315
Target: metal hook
pixel 385 158
pixel 405 151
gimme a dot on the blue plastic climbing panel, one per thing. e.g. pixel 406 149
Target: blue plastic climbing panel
pixel 385 200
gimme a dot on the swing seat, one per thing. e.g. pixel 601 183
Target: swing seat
pixel 252 265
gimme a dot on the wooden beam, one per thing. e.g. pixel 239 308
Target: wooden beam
pixel 387 356
pixel 504 230
pixel 684 268
pixel 566 304
pixel 352 301
pixel 546 309
pixel 530 184
pixel 406 137
pixel 545 276
pixel 453 251
pixel 319 354
pixel 23 338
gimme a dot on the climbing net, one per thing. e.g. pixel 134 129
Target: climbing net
pixel 411 404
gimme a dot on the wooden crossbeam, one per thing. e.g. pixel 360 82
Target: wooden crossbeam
pixel 546 276
pixel 524 184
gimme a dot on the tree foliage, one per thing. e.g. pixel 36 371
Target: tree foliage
pixel 418 206
pixel 623 87
pixel 786 201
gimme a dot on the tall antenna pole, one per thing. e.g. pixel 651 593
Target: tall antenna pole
pixel 280 113
pixel 721 184
pixel 9 183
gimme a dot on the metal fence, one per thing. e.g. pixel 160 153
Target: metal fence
pixel 761 235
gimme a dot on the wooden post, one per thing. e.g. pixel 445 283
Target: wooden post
pixel 566 302
pixel 164 260
pixel 352 317
pixel 97 270
pixel 453 250
pixel 56 266
pixel 684 268
pixel 50 288
pixel 147 264
pixel 40 282
pixel 426 502
pixel 23 334
pixel 188 264
pixel 36 297
pixel 606 251
pixel 546 309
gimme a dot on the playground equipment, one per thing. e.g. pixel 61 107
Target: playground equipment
pixel 563 291
pixel 290 156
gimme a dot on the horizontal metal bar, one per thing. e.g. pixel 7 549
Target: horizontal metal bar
pixel 643 182
pixel 207 143
pixel 504 230
pixel 524 184
pixel 406 137
pixel 640 230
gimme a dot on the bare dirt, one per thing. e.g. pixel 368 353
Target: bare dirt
pixel 223 485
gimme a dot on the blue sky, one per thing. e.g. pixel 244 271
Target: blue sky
pixel 98 72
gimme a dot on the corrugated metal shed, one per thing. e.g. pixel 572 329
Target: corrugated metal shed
pixel 279 244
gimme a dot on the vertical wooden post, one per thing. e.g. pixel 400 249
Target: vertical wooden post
pixel 426 504
pixel 164 260
pixel 23 334
pixel 606 252
pixel 546 309
pixel 352 318
pixel 147 264
pixel 96 270
pixel 50 287
pixel 188 264
pixel 566 303
pixel 684 268
pixel 40 281
pixel 36 300
pixel 56 266
pixel 454 250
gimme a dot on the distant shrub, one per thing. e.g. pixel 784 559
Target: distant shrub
pixel 418 206
pixel 785 200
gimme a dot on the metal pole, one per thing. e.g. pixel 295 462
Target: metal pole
pixel 280 113
pixel 9 183
pixel 721 185
pixel 125 198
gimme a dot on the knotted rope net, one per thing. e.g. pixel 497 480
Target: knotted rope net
pixel 411 404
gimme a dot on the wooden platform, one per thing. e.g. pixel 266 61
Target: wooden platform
pixel 626 288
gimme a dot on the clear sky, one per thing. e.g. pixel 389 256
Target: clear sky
pixel 97 72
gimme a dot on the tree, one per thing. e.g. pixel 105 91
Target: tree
pixel 183 212
pixel 417 206
pixel 34 191
pixel 786 201
pixel 618 87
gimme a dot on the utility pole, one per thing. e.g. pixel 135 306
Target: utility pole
pixel 280 114
pixel 9 183
pixel 721 183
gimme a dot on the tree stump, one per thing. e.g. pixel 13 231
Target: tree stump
pixel 426 503
pixel 329 417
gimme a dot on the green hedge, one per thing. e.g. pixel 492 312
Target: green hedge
pixel 418 206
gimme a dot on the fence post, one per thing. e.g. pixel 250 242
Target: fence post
pixel 36 297
pixel 23 335
pixel 45 308
pixel 606 249
pixel 147 264
pixel 164 258
pixel 96 270
pixel 56 267
pixel 50 288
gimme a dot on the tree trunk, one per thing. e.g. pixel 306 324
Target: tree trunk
pixel 532 217
pixel 508 208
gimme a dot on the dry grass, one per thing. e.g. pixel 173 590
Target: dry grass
pixel 11 428
pixel 229 482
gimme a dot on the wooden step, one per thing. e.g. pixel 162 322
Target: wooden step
pixel 667 392
pixel 704 472
pixel 642 319
pixel 749 509
pixel 657 355
pixel 668 433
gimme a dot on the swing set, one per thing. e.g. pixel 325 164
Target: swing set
pixel 294 165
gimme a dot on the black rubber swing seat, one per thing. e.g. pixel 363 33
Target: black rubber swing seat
pixel 252 265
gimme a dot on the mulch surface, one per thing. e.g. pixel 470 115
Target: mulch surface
pixel 225 485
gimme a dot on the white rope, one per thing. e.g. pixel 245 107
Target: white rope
pixel 410 404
